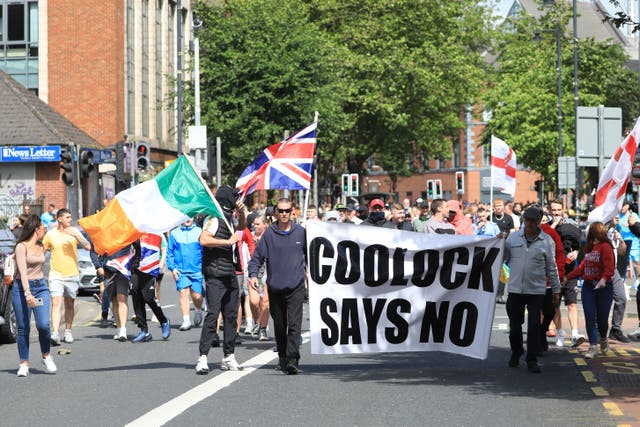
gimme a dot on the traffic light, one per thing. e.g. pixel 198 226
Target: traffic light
pixel 66 164
pixel 86 162
pixel 346 191
pixel 143 155
pixel 430 189
pixel 538 186
pixel 438 188
pixel 355 188
pixel 120 159
pixel 460 182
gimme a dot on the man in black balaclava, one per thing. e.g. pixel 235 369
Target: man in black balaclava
pixel 376 214
pixel 219 259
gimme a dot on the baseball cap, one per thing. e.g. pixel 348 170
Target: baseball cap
pixel 339 206
pixel 332 215
pixel 376 202
pixel 533 213
pixel 350 207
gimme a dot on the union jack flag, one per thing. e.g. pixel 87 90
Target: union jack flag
pixel 150 254
pixel 286 165
pixel 123 263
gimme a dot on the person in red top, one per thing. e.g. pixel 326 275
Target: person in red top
pixel 597 270
pixel 548 308
pixel 461 223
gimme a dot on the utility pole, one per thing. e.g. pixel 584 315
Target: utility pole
pixel 179 76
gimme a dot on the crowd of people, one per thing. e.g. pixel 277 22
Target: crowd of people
pixel 233 272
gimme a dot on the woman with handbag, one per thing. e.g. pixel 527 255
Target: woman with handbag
pixel 31 293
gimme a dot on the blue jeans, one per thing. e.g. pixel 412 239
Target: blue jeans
pixel 39 289
pixel 596 304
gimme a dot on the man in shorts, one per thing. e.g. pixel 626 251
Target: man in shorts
pixel 184 261
pixel 64 276
pixel 117 278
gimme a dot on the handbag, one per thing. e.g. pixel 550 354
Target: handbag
pixel 9 269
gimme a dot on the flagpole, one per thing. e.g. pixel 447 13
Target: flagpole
pixel 204 184
pixel 491 171
pixel 313 166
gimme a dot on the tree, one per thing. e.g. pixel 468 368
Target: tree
pixel 523 98
pixel 409 69
pixel 265 69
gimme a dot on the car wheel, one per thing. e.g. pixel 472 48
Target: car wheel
pixel 9 331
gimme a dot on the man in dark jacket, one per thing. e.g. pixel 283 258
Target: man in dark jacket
pixel 219 256
pixel 283 248
pixel 376 214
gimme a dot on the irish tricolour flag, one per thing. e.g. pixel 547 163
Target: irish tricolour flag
pixel 174 195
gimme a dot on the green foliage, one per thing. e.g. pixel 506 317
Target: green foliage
pixel 523 93
pixel 388 78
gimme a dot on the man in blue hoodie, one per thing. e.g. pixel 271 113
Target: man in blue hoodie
pixel 283 248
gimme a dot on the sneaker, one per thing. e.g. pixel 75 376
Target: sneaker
pixel 197 318
pixel 591 353
pixel 248 330
pixel 104 322
pixel 577 341
pixel 202 367
pixel 49 366
pixel 121 338
pixel 291 368
pixel 166 329
pixel 635 334
pixel 604 345
pixel 229 363
pixel 134 318
pixel 68 338
pixel 263 335
pixel 255 330
pixel 143 336
pixel 185 326
pixel 533 367
pixel 55 338
pixel 501 300
pixel 560 339
pixel 616 334
pixel 23 370
pixel 98 298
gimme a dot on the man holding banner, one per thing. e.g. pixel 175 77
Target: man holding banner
pixel 529 253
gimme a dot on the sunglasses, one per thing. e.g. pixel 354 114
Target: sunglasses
pixel 285 211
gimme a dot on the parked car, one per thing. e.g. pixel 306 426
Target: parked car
pixel 9 329
pixel 89 282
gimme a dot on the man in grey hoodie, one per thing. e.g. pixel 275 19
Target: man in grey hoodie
pixel 283 248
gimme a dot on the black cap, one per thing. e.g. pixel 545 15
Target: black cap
pixel 533 213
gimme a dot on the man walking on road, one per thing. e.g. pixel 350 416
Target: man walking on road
pixel 219 259
pixel 64 276
pixel 529 252
pixel 283 248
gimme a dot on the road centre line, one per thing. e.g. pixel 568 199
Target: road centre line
pixel 176 406
pixel 612 409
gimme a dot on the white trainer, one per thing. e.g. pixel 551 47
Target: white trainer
pixel 560 339
pixel 229 363
pixel 49 366
pixel 23 370
pixel 202 367
pixel 68 338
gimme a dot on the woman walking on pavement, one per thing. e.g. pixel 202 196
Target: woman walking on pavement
pixel 30 292
pixel 597 269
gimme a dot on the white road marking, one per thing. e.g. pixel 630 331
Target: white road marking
pixel 176 406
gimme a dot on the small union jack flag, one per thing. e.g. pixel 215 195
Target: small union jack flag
pixel 286 165
pixel 150 254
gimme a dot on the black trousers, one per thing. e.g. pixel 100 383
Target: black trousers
pixel 516 304
pixel 286 312
pixel 548 311
pixel 143 292
pixel 222 295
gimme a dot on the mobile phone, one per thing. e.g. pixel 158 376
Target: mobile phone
pixel 38 302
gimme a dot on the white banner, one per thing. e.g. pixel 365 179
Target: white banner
pixel 374 289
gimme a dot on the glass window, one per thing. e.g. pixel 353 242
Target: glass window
pixel 1 23
pixel 33 22
pixel 16 66
pixel 15 22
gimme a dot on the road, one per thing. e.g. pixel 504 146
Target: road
pixel 107 383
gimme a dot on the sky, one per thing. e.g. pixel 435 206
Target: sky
pixel 502 6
